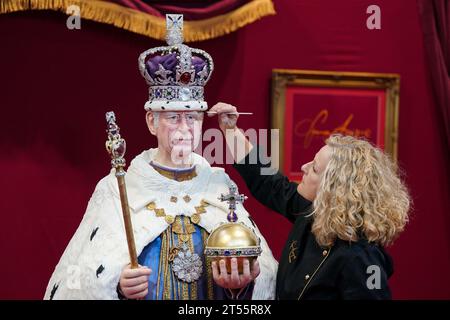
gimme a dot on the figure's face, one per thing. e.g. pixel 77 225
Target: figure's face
pixel 178 133
pixel 312 173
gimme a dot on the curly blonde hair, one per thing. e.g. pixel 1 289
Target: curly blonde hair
pixel 360 195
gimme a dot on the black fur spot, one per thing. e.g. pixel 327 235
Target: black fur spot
pixel 187 106
pixel 52 293
pixel 163 108
pixel 99 270
pixel 94 232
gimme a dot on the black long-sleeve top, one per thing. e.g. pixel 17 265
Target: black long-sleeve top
pixel 347 270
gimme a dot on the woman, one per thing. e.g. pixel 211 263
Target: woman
pixel 348 207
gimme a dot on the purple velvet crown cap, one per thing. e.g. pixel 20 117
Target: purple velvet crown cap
pixel 169 62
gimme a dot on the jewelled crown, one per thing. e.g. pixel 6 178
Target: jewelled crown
pixel 176 74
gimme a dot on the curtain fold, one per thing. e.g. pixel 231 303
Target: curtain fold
pixel 192 10
pixel 435 22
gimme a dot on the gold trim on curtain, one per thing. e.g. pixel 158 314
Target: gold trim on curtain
pixel 146 24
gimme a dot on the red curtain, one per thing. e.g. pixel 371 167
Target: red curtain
pixel 435 19
pixel 192 10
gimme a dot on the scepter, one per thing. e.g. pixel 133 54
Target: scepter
pixel 116 146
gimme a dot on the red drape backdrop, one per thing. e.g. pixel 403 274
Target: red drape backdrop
pixel 435 22
pixel 56 84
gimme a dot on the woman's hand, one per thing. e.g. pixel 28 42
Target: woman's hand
pixel 227 115
pixel 235 280
pixel 133 283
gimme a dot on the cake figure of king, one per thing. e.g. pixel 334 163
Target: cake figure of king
pixel 173 195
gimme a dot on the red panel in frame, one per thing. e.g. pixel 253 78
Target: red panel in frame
pixel 312 114
pixel 308 106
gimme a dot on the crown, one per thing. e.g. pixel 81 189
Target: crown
pixel 176 74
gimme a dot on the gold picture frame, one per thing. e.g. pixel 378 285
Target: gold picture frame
pixel 283 80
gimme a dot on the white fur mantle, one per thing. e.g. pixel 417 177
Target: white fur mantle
pixel 77 274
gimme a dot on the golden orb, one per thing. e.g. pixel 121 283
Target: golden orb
pixel 233 240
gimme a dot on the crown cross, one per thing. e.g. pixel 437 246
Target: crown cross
pixel 174 28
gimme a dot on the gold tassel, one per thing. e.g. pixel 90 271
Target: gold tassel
pixel 8 6
pixel 146 24
pixel 229 22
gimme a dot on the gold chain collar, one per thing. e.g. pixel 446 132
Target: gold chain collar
pixel 170 219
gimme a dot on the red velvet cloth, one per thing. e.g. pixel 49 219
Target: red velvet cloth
pixel 435 21
pixel 192 10
pixel 57 84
